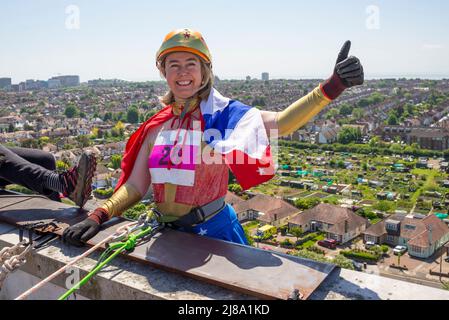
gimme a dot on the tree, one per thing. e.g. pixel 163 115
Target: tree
pixel 392 119
pixel 116 161
pixel 30 143
pixel 107 116
pixel 384 206
pixel 118 130
pixel 297 232
pixel 44 140
pixel 345 109
pixel 149 114
pixel 235 187
pixel 248 237
pixel 83 140
pixel 94 132
pixel 132 116
pixel 396 148
pixel 357 113
pixel 61 166
pixel 71 111
pixel 307 203
pixel 373 142
pixel 349 134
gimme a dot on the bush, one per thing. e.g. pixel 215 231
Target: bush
pixel 135 211
pixel 343 262
pixel 384 248
pixel 283 230
pixel 286 243
pixel 316 250
pixel 248 237
pixel 307 203
pixel 312 256
pixel 360 254
pixel 106 193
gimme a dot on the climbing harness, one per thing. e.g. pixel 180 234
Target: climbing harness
pixel 147 226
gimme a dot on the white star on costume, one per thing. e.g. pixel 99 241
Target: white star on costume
pixel 261 171
pixel 202 232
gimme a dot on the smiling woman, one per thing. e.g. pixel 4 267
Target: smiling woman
pixel 183 74
pixel 186 150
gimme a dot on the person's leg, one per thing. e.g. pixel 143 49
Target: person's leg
pixel 16 169
pixel 40 158
pixel 74 183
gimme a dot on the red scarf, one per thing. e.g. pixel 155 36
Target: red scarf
pixel 136 140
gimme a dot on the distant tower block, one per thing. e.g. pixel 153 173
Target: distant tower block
pixel 265 76
pixel 5 83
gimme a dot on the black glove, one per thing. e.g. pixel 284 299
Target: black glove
pixel 348 72
pixel 81 232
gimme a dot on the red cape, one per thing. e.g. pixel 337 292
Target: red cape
pixel 135 141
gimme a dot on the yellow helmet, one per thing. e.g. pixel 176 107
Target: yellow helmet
pixel 185 40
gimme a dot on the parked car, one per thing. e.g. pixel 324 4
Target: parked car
pixel 328 243
pixel 369 244
pixel 399 249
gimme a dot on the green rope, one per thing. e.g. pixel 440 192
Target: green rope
pixel 116 249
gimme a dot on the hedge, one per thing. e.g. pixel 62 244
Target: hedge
pixel 360 254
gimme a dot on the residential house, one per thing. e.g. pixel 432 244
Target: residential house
pixel 327 135
pixel 434 138
pixel 339 223
pixel 233 199
pixel 15 121
pixel 422 236
pixel 266 210
pixel 362 127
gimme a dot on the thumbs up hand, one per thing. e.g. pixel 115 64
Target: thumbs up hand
pixel 348 72
pixel 349 69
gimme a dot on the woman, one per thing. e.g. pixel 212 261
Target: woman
pixel 178 151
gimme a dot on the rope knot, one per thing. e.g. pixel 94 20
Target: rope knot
pixel 130 244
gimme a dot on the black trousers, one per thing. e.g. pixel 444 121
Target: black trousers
pixel 27 167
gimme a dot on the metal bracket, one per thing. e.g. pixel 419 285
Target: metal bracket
pixel 43 230
pixel 295 295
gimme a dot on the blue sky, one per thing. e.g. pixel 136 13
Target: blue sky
pixel 288 39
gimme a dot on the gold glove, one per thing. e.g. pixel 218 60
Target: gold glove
pixel 301 111
pixel 125 197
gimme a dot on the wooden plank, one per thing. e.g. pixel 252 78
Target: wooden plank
pixel 260 273
pixel 21 210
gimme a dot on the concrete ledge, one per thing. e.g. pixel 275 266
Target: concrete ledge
pixel 122 279
pixel 125 279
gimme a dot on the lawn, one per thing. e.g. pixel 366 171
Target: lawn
pixel 250 225
pixel 313 241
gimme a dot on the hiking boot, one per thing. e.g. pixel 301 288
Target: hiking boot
pixel 78 180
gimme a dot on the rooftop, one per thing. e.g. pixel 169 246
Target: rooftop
pixel 129 278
